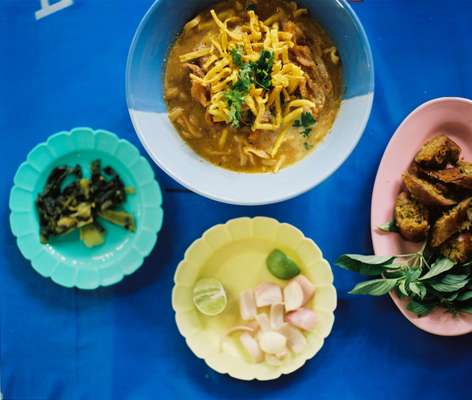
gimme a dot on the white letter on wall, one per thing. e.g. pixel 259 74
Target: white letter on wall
pixel 47 9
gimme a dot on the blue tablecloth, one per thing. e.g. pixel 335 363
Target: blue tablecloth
pixel 66 70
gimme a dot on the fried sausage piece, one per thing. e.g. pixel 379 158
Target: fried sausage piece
pixel 461 175
pixel 438 152
pixel 411 218
pixel 426 193
pixel 451 222
pixel 458 248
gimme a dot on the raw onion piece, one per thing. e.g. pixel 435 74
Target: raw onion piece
pixel 293 296
pixel 272 342
pixel 295 339
pixel 247 305
pixel 307 287
pixel 252 347
pixel 302 318
pixel 267 294
pixel 276 316
pixel 238 328
pixel 263 321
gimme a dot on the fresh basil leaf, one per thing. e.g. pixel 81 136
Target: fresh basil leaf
pixel 450 283
pixel 372 260
pixel 420 309
pixel 350 264
pixel 418 289
pixel 452 297
pixel 465 296
pixel 390 226
pixel 467 264
pixel 467 309
pixel 375 287
pixel 441 265
pixel 402 288
pixel 412 274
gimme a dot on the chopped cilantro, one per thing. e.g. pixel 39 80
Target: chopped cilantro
pixel 306 121
pixel 263 69
pixel 235 100
pixel 307 146
pixel 306 132
pixel 251 7
pixel 237 56
pixel 258 72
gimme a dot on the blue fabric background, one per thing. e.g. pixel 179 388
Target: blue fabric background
pixel 67 70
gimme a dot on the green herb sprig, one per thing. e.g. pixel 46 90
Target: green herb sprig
pixel 427 280
pixel 306 121
pixel 257 73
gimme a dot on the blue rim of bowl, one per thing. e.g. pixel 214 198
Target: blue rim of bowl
pixel 289 196
pixel 25 234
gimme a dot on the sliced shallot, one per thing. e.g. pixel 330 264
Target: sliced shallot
pixel 263 321
pixel 247 305
pixel 307 287
pixel 276 316
pixel 272 342
pixel 295 339
pixel 302 318
pixel 293 296
pixel 238 328
pixel 267 294
pixel 252 347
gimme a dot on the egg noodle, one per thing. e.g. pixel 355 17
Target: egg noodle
pixel 222 72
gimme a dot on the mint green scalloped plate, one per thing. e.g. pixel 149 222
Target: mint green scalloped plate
pixel 66 260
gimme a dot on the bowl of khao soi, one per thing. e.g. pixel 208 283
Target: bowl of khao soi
pixel 250 102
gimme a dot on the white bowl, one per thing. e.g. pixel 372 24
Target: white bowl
pixel 144 92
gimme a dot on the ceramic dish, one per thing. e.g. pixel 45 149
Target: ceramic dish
pixel 65 259
pixel 235 254
pixel 450 116
pixel 144 92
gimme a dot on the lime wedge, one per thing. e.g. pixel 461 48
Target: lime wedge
pixel 281 266
pixel 209 296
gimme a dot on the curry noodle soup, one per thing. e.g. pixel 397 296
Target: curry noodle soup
pixel 253 86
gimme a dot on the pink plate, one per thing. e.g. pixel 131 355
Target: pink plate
pixel 448 115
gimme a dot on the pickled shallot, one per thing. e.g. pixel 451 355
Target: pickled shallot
pixel 267 294
pixel 302 318
pixel 272 342
pixel 307 287
pixel 247 305
pixel 293 296
pixel 252 347
pixel 275 320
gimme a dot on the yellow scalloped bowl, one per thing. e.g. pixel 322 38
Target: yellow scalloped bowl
pixel 235 254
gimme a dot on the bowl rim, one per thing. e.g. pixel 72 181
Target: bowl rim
pixel 146 234
pixel 232 371
pixel 411 318
pixel 277 198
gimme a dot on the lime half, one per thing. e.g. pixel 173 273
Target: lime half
pixel 209 296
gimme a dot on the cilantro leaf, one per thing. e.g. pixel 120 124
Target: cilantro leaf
pixel 258 72
pixel 306 121
pixel 263 68
pixel 237 56
pixel 235 100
